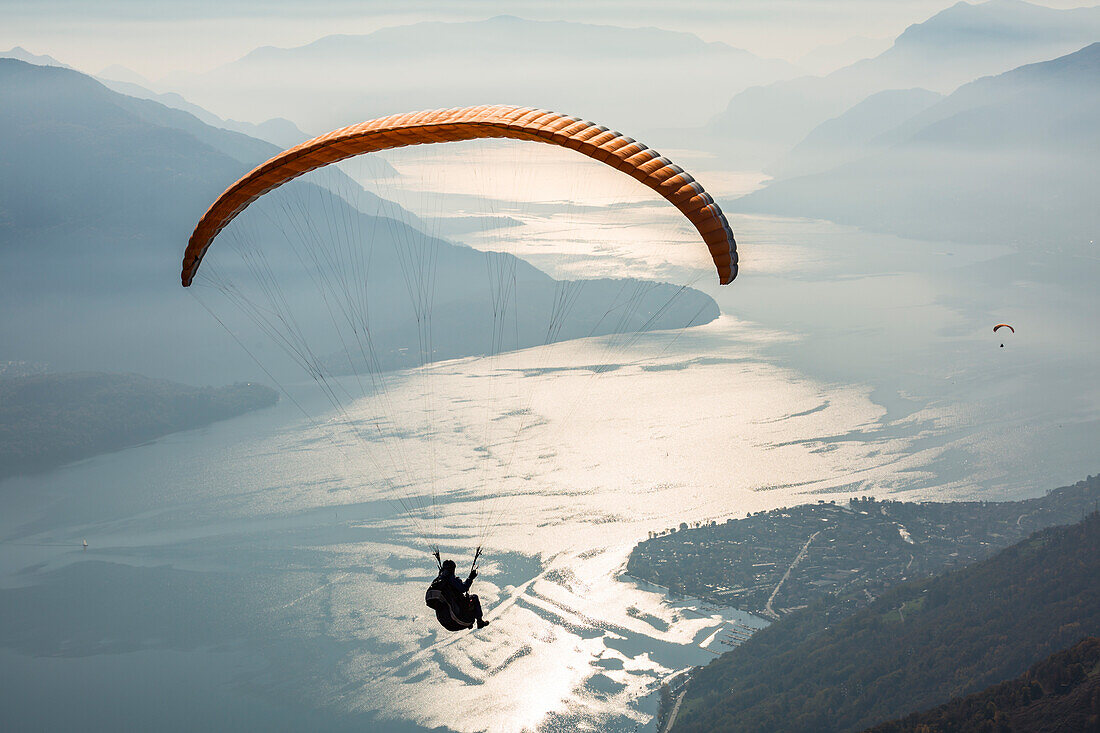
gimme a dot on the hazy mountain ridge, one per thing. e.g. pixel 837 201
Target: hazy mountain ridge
pixel 828 58
pixel 853 134
pixel 997 22
pixel 518 37
pixel 1024 97
pixel 275 131
pixel 968 40
pixel 77 150
pixel 278 131
pixel 1008 159
pixel 21 54
pixel 953 47
pixel 50 419
pixel 123 168
pixel 916 646
pixel 99 195
pixel 659 78
pixel 121 74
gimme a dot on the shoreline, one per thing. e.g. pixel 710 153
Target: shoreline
pixel 783 559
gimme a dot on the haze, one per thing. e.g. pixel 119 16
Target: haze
pixel 218 504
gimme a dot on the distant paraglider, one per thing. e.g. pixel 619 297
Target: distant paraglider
pixel 999 326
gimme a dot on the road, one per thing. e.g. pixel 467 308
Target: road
pixel 801 553
pixel 675 711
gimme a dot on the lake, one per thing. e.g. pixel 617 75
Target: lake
pixel 261 572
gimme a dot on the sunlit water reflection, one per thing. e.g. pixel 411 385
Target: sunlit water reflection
pixel 271 550
pixel 571 644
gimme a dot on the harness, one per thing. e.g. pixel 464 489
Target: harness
pixel 448 606
pixel 442 599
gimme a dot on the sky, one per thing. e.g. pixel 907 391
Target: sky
pixel 154 39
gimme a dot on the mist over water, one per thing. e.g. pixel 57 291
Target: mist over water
pixel 257 570
pixel 257 532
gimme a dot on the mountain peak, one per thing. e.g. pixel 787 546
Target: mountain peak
pixel 995 21
pixel 21 54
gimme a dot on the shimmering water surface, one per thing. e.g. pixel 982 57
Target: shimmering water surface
pixel 250 571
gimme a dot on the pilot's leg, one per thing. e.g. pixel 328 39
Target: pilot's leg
pixel 475 611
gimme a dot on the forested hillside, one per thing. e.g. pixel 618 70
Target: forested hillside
pixel 1060 693
pixel 918 645
pixel 50 419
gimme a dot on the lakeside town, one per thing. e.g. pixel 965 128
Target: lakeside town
pixel 771 563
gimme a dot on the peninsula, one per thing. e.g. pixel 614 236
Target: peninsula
pixel 50 419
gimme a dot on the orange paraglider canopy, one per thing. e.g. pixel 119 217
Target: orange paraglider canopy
pixel 470 123
pixel 1003 325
